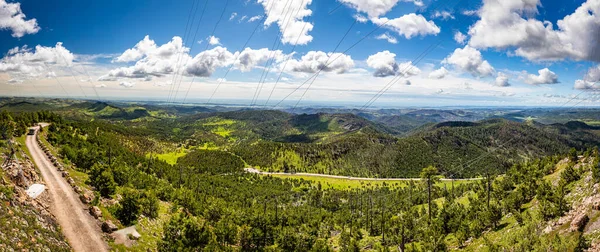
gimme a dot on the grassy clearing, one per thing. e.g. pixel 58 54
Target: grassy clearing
pixel 219 122
pixel 222 131
pixel 340 183
pixel 170 157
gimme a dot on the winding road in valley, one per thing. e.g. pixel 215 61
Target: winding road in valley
pixel 79 227
pixel 253 170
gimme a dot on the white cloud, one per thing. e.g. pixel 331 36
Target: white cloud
pixel 593 74
pixel 376 8
pixel 152 61
pixel 502 80
pixel 585 85
pixel 254 18
pixel 102 85
pixel 221 80
pixel 50 74
pixel 244 17
pixel 250 58
pixel 360 18
pixel 389 38
pixel 385 65
pixel 469 12
pixel 212 40
pixel 409 25
pixel 205 63
pixel 233 15
pixel 12 18
pixel 142 48
pixel 511 24
pixel 406 82
pixel 314 61
pixel 292 25
pixel 33 62
pixel 545 77
pixel 460 38
pixel 126 84
pixel 443 14
pixel 14 81
pixel 469 59
pixel 439 73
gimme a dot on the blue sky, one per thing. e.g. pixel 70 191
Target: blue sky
pixel 514 52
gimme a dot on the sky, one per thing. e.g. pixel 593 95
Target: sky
pixel 359 53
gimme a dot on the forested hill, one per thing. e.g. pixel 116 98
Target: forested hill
pixel 458 149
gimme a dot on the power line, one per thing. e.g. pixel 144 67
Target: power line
pixel 318 72
pixel 184 39
pixel 192 46
pixel 207 44
pixel 285 64
pixel 55 78
pixel 276 44
pixel 237 57
pixel 344 52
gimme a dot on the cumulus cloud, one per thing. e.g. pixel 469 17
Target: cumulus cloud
pixel 460 38
pixel 409 25
pixel 126 84
pixel 12 18
pixel 593 74
pixel 150 60
pixel 470 60
pixel 443 15
pixel 545 76
pixel 233 15
pixel 439 73
pixel 205 63
pixel 212 40
pixel 385 65
pixel 290 19
pixel 511 24
pixel 406 82
pixel 376 8
pixel 314 61
pixel 102 85
pixel 502 80
pixel 250 58
pixel 585 85
pixel 33 62
pixel 388 37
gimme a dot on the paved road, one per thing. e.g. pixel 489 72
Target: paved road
pixel 78 226
pixel 253 170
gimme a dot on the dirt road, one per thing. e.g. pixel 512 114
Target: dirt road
pixel 79 227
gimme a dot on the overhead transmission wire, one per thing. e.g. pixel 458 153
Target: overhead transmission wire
pixel 55 78
pixel 184 38
pixel 207 44
pixel 409 67
pixel 321 69
pixel 276 43
pixel 187 30
pixel 192 45
pixel 274 47
pixel 90 80
pixel 379 26
pixel 285 63
pixel 237 57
